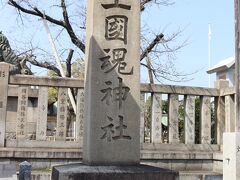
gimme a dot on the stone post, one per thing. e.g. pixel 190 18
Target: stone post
pixel 220 108
pixel 205 119
pixel 21 130
pixel 112 84
pixel 25 171
pixel 41 130
pixel 157 118
pixel 4 74
pixel 62 114
pixel 142 118
pixel 189 122
pixel 173 104
pixel 79 116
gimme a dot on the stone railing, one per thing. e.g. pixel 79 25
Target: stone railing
pixel 192 117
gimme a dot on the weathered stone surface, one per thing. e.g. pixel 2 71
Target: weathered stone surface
pixel 157 118
pixel 62 114
pixel 8 172
pixel 205 120
pixel 139 172
pixel 112 85
pixel 80 114
pixel 142 117
pixel 41 129
pixel 22 112
pixel 173 119
pixel 229 113
pixel 231 156
pixel 4 73
pixel 189 123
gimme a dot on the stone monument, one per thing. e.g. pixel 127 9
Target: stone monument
pixel 112 86
pixel 231 140
pixel 111 138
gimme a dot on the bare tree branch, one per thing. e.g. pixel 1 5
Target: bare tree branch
pixel 66 24
pixel 44 65
pixel 159 2
pixel 151 46
pixel 69 28
pixel 69 64
pixel 36 12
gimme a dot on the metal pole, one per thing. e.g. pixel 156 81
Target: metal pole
pixel 58 62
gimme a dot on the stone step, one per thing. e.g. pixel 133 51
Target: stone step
pixel 200 175
pixel 184 175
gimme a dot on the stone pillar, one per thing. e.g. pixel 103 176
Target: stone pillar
pixel 189 123
pixel 205 120
pixel 112 84
pixel 157 118
pixel 230 113
pixel 142 118
pixel 220 110
pixel 41 129
pixel 4 74
pixel 62 114
pixel 79 116
pixel 173 119
pixel 22 112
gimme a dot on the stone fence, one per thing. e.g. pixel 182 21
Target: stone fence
pixel 192 117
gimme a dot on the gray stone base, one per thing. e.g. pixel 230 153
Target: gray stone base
pixel 138 172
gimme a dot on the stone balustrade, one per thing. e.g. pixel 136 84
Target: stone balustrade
pixel 189 112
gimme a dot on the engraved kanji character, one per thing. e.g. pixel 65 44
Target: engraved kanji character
pixel 21 126
pixel 117 60
pixel 23 108
pixel 117 94
pixel 108 93
pixel 61 125
pixel 62 116
pixel 23 96
pixel 24 91
pixel 120 129
pixel 62 109
pixel 116 28
pixel 120 93
pixel 108 131
pixel 61 133
pixel 62 101
pixel 116 4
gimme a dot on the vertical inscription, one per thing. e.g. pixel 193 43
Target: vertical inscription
pixel 22 112
pixel 62 114
pixel 142 117
pixel 112 108
pixel 205 120
pixel 157 118
pixel 4 73
pixel 80 114
pixel 42 113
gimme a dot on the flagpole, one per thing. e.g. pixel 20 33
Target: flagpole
pixel 209 52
